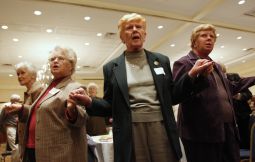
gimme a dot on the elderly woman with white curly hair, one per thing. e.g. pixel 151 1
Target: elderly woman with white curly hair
pixel 55 129
pixel 26 73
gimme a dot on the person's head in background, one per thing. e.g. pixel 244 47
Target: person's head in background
pixel 132 31
pixel 26 73
pixel 15 98
pixel 62 62
pixel 233 77
pixel 92 89
pixel 202 39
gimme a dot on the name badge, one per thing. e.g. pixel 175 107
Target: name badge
pixel 54 91
pixel 159 71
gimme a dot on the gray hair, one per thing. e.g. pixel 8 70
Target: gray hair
pixel 92 85
pixel 69 54
pixel 28 66
pixel 15 98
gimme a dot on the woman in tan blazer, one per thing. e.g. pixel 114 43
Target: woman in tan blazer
pixel 56 125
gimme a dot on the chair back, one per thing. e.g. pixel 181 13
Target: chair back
pixel 2 137
pixel 252 141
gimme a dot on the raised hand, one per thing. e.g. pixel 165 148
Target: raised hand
pixel 201 67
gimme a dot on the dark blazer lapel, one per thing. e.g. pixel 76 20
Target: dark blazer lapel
pixel 154 62
pixel 193 57
pixel 120 73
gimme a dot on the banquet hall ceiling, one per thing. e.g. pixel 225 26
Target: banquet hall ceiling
pixel 26 38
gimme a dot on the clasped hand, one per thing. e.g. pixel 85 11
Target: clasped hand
pixel 12 108
pixel 80 96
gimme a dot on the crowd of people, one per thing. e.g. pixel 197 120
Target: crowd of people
pixel 139 91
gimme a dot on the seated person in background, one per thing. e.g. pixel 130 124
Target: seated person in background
pixel 95 125
pixel 10 123
pixel 242 112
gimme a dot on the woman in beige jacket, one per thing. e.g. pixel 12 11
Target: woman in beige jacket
pixel 56 125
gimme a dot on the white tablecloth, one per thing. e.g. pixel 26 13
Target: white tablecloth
pixel 104 148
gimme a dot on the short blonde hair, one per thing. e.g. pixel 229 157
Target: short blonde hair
pixel 130 17
pixel 198 29
pixel 69 54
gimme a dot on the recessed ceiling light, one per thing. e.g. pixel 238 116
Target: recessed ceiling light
pixel 160 27
pixel 87 18
pixel 241 2
pixel 99 34
pixel 222 46
pixel 4 27
pixel 172 45
pixel 78 67
pixel 10 75
pixel 87 43
pixel 239 37
pixel 218 35
pixel 37 13
pixel 244 49
pixel 20 56
pixel 15 39
pixel 49 30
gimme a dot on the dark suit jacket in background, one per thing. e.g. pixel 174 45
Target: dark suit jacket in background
pixel 242 112
pixel 116 102
pixel 200 117
pixel 96 125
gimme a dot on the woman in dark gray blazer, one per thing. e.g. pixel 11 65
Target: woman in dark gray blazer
pixel 139 93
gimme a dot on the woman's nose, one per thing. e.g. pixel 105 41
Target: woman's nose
pixel 134 28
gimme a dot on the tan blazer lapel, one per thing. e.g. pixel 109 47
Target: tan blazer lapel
pixel 57 89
